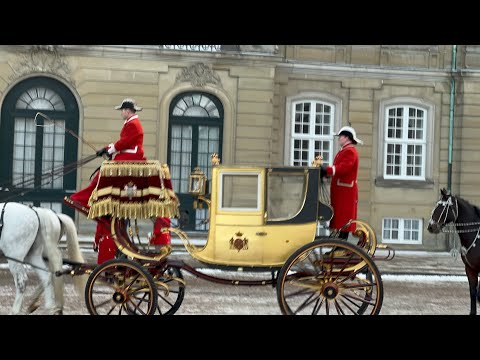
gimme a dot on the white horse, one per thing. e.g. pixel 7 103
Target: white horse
pixel 30 234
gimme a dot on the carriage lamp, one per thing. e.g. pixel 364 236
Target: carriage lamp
pixel 197 182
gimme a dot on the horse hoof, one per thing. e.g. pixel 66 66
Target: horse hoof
pixel 58 312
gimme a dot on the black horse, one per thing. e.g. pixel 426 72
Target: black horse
pixel 458 212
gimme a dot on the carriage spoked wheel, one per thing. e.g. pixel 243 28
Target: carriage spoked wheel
pixel 329 277
pixel 170 289
pixel 121 287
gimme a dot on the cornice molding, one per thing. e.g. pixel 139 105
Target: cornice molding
pixel 352 71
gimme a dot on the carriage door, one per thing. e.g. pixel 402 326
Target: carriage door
pixel 32 147
pixel 194 133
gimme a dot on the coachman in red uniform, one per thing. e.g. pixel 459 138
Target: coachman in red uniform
pixel 343 186
pixel 128 147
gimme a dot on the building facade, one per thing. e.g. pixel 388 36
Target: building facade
pixel 416 107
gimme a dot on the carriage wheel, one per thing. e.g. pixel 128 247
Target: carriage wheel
pixel 120 287
pixel 170 290
pixel 329 277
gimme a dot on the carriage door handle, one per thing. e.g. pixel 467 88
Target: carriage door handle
pixel 261 233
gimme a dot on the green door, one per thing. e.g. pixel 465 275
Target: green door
pixel 33 149
pixel 194 133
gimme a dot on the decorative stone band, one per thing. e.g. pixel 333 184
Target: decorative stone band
pixel 133 189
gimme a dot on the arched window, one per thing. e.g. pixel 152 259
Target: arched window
pixel 34 144
pixel 25 137
pixel 195 132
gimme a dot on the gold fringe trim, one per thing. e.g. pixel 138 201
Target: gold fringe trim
pixel 134 210
pixel 116 191
pixel 165 172
pixel 112 168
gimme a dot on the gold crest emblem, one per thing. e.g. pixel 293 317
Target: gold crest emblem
pixel 239 242
pixel 130 189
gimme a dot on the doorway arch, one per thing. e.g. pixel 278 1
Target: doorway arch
pixel 195 131
pixel 31 146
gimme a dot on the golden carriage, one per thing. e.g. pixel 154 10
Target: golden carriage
pixel 262 219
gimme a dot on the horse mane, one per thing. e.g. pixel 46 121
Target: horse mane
pixel 477 210
pixel 466 202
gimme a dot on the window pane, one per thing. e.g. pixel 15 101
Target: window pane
pixel 239 191
pixel 405 142
pixel 312 132
pixel 300 153
pixel 286 195
pixel 40 98
pixel 180 166
pixel 24 140
pixel 402 230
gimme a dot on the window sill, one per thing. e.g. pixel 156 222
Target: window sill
pixel 405 184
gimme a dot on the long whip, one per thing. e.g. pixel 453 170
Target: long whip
pixel 50 174
pixel 64 128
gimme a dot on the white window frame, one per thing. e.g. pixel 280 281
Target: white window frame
pixel 243 209
pixel 426 142
pixel 336 105
pixel 401 231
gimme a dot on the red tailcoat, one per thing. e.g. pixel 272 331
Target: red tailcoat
pixel 129 147
pixel 130 144
pixel 343 187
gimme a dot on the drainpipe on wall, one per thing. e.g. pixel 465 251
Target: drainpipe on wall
pixel 451 237
pixel 452 106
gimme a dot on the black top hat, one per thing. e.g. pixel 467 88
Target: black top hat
pixel 128 104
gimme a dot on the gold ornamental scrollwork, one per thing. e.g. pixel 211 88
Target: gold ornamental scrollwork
pixel 199 75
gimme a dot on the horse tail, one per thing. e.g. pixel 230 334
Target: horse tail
pixel 73 250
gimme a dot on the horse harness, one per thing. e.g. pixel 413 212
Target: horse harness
pixel 446 207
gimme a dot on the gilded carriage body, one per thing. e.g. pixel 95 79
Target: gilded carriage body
pixel 260 218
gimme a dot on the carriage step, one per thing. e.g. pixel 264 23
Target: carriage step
pixel 390 252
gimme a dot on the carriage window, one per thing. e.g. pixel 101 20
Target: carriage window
pixel 240 192
pixel 402 231
pixel 286 195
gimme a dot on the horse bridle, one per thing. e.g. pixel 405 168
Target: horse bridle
pixel 447 204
